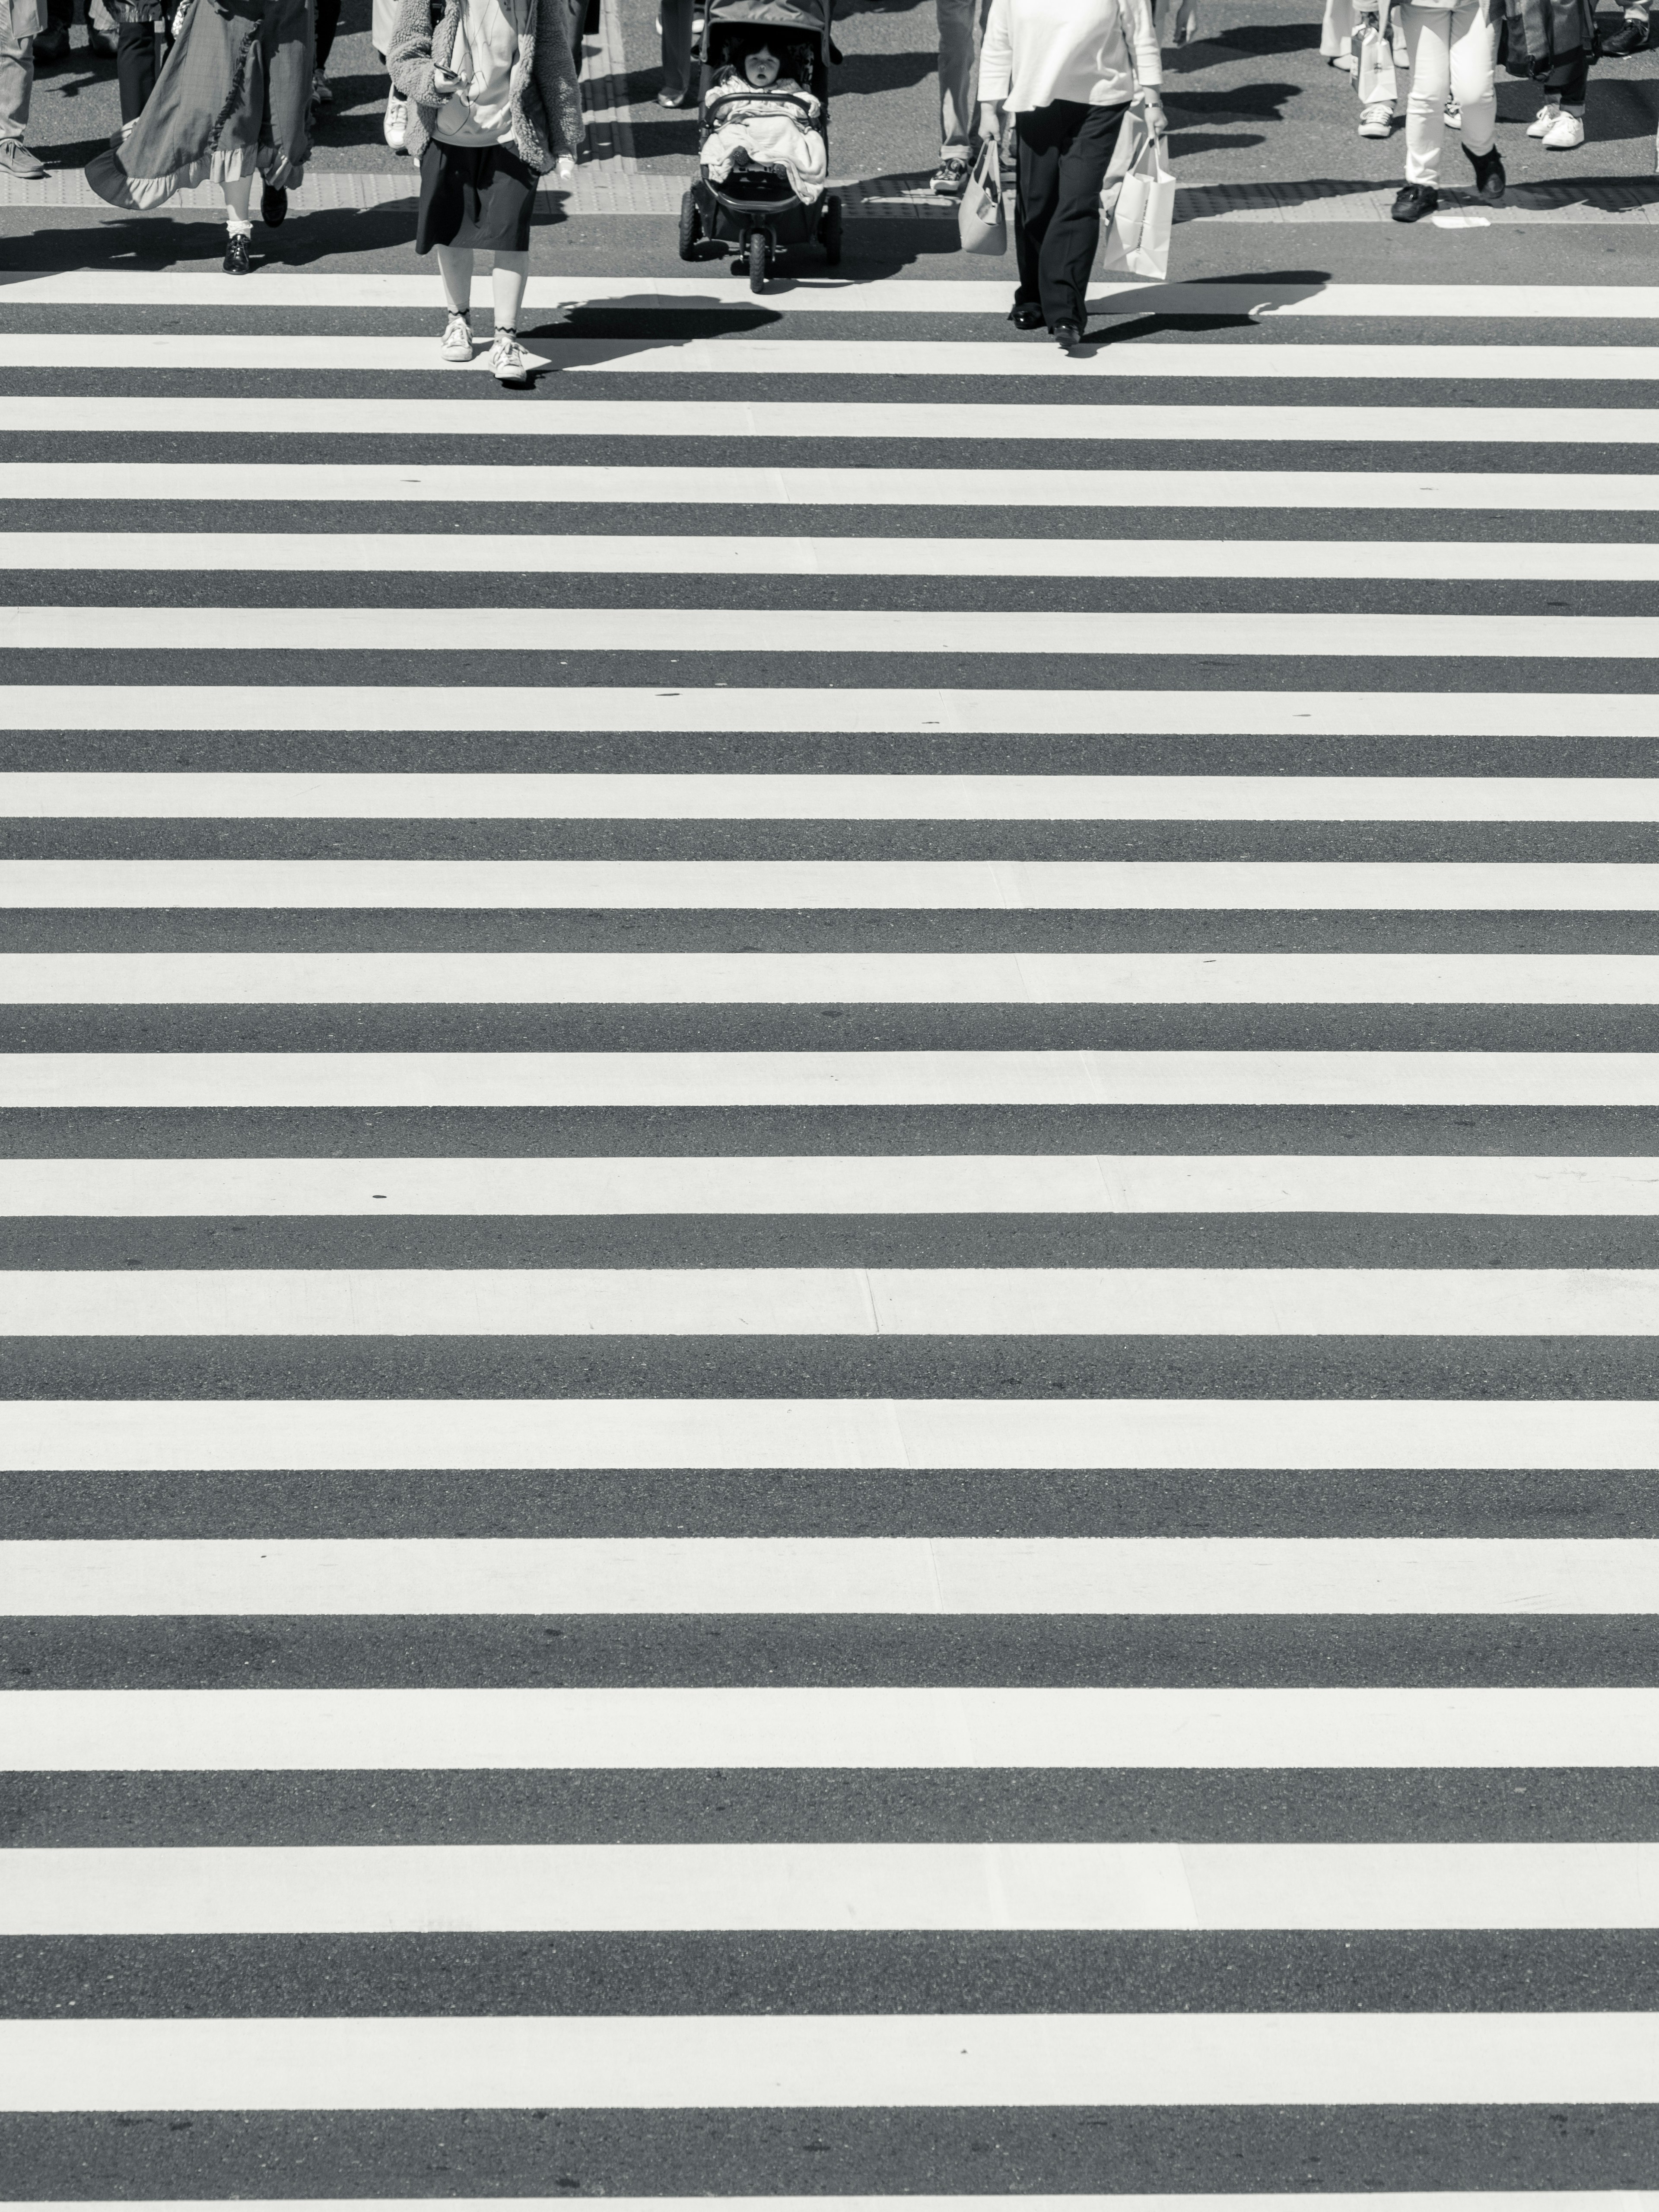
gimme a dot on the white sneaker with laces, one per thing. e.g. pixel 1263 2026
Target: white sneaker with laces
pixel 458 337
pixel 1376 120
pixel 1545 121
pixel 507 363
pixel 395 127
pixel 1454 116
pixel 1565 133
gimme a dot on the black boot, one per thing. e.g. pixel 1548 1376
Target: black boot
pixel 236 263
pixel 273 205
pixel 1412 202
pixel 1489 178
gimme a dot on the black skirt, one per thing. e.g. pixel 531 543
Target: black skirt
pixel 475 196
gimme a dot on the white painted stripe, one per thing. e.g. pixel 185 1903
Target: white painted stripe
pixel 282 352
pixel 1193 979
pixel 820 630
pixel 1214 887
pixel 608 1730
pixel 1089 1576
pixel 666 1080
pixel 256 795
pixel 852 1888
pixel 731 2061
pixel 231 484
pixel 227 1435
pixel 1027 714
pixel 1046 1182
pixel 351 552
pixel 839 294
pixel 745 1301
pixel 207 415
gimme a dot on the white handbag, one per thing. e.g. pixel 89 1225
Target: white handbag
pixel 1138 207
pixel 982 217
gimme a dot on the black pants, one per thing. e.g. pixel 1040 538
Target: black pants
pixel 136 45
pixel 676 75
pixel 1064 150
pixel 1569 80
pixel 328 22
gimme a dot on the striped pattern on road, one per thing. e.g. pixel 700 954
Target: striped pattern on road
pixel 979 1521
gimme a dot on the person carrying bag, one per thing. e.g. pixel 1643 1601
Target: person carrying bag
pixel 1065 70
pixel 981 215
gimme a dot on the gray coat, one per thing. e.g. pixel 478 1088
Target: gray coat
pixel 547 112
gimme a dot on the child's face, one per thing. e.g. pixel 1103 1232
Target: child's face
pixel 761 68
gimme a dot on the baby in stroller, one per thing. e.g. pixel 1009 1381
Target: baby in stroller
pixel 759 113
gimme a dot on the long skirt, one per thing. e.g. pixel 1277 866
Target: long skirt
pixel 231 100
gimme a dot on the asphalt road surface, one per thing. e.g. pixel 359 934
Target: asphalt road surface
pixel 827 1181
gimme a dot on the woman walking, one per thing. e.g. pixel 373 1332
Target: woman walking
pixel 230 104
pixel 1066 70
pixel 492 107
pixel 1451 48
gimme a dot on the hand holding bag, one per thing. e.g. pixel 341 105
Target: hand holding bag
pixel 1140 209
pixel 981 218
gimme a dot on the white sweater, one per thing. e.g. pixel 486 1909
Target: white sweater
pixel 1039 51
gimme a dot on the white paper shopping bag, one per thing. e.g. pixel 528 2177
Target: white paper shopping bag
pixel 1141 214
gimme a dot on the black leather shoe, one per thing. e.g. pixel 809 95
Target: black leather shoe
pixel 1025 315
pixel 273 206
pixel 1628 39
pixel 1067 335
pixel 1489 178
pixel 236 263
pixel 1412 202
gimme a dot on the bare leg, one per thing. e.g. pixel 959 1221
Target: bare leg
pixel 508 278
pixel 455 267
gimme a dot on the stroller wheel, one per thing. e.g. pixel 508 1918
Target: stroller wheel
pixel 691 227
pixel 829 230
pixel 757 250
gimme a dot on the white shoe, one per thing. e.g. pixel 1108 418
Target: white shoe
pixel 507 363
pixel 1565 133
pixel 1547 115
pixel 396 124
pixel 321 95
pixel 1343 61
pixel 1454 116
pixel 458 337
pixel 1376 121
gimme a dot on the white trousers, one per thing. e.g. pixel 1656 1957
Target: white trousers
pixel 1451 53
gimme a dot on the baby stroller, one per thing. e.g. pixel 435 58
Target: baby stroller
pixel 753 212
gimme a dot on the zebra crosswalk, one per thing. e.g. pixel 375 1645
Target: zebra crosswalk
pixel 829 1334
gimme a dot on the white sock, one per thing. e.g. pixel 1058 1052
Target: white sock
pixel 240 226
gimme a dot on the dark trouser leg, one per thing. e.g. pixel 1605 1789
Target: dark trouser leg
pixel 328 22
pixel 136 66
pixel 1569 81
pixel 1074 236
pixel 676 45
pixel 1038 136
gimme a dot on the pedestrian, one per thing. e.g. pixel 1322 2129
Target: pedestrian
pixel 21 21
pixel 960 31
pixel 1554 43
pixel 1067 70
pixel 231 103
pixel 1451 50
pixel 677 24
pixel 493 106
pixel 143 40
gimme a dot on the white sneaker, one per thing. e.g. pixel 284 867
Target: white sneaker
pixel 1454 116
pixel 1376 120
pixel 321 95
pixel 1343 61
pixel 1565 133
pixel 507 363
pixel 396 124
pixel 458 337
pixel 1547 115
